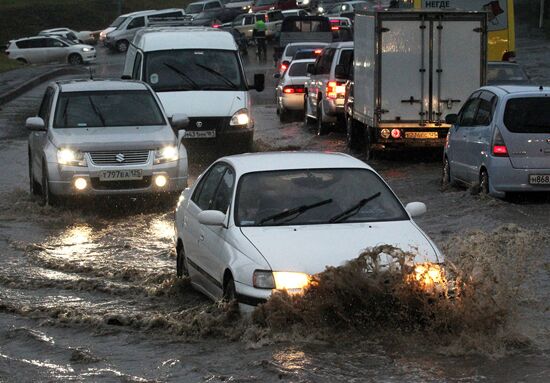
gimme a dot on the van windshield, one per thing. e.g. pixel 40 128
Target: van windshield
pixel 193 69
pixel 118 21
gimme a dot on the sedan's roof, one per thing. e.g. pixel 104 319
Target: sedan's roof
pixel 100 85
pixel 270 161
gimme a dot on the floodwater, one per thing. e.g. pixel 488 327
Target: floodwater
pixel 88 291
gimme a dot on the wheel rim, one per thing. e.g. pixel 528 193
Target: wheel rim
pixel 75 60
pixel 484 182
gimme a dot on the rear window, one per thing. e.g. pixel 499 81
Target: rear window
pixel 292 24
pixel 528 115
pixel 292 49
pixel 298 69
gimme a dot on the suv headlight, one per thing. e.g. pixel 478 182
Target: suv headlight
pixel 240 118
pixel 70 157
pixel 166 154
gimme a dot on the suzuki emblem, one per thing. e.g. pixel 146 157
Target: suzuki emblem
pixel 199 124
pixel 119 157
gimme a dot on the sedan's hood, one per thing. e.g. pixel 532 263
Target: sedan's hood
pixel 116 138
pixel 203 103
pixel 311 248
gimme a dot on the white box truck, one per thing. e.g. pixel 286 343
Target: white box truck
pixel 411 68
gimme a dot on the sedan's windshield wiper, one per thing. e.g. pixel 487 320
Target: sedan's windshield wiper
pixel 294 211
pixel 182 74
pixel 354 209
pixel 216 73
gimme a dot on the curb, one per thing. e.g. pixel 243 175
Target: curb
pixel 35 81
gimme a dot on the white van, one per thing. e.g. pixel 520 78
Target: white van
pixel 119 35
pixel 197 71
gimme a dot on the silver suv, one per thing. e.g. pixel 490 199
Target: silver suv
pixel 99 137
pixel 47 49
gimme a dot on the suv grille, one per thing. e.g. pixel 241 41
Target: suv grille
pixel 121 185
pixel 123 157
pixel 208 123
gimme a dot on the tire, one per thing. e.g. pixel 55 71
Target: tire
pixel 229 291
pixel 353 136
pixel 181 263
pixel 121 46
pixel 75 59
pixel 283 115
pixel 22 61
pixel 34 188
pixel 484 182
pixel 47 197
pixel 446 174
pixel 307 120
pixel 322 127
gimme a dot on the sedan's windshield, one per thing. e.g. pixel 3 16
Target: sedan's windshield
pixel 118 21
pixel 190 69
pixel 314 196
pixel 107 109
pixel 194 8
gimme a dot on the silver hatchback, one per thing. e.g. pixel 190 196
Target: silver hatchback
pixel 100 137
pixel 500 140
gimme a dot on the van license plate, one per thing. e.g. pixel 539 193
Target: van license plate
pixel 538 179
pixel 121 175
pixel 421 135
pixel 200 134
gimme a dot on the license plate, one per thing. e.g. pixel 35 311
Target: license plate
pixel 200 134
pixel 538 179
pixel 421 135
pixel 121 175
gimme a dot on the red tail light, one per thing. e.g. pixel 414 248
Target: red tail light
pixel 291 89
pixel 283 67
pixel 216 25
pixel 317 51
pixel 395 133
pixel 335 89
pixel 499 147
pixel 335 28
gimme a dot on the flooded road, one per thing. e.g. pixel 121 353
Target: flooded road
pixel 88 290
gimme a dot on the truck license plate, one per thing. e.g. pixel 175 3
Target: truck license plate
pixel 121 175
pixel 421 135
pixel 200 134
pixel 539 179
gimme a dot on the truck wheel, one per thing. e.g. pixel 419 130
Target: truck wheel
pixel 122 46
pixel 322 127
pixel 353 137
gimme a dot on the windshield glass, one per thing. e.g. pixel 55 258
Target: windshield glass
pixel 190 69
pixel 118 21
pixel 528 115
pixel 194 8
pixel 298 69
pixel 323 194
pixel 264 2
pixel 505 74
pixel 107 109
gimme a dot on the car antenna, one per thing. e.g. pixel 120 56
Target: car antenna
pixel 91 73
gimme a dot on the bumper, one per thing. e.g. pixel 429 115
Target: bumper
pixel 333 107
pixel 89 57
pixel 504 178
pixel 228 141
pixel 293 101
pixel 251 296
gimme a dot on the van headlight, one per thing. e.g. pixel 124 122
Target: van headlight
pixel 70 157
pixel 240 118
pixel 280 280
pixel 166 154
pixel 87 49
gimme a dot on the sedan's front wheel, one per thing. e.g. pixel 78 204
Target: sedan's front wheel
pixel 75 59
pixel 229 291
pixel 181 262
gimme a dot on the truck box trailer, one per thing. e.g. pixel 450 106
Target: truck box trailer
pixel 412 68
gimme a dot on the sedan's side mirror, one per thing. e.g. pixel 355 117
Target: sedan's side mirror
pixel 276 75
pixel 451 118
pixel 416 209
pixel 35 124
pixel 340 72
pixel 179 121
pixel 310 68
pixel 259 82
pixel 211 218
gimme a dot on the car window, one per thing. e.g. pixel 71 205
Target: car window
pixel 204 194
pixel 468 113
pixel 223 195
pixel 528 115
pixel 298 69
pixel 238 20
pixel 249 19
pixel 212 5
pixel 45 106
pixel 136 72
pixel 276 16
pixel 54 43
pixel 485 109
pixel 325 61
pixel 138 22
pixel 24 44
pixel 346 57
pixel 38 43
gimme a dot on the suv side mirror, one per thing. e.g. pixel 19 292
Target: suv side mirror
pixel 35 124
pixel 179 121
pixel 451 118
pixel 310 68
pixel 340 72
pixel 259 82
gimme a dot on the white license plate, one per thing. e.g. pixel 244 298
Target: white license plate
pixel 539 179
pixel 420 134
pixel 200 134
pixel 121 175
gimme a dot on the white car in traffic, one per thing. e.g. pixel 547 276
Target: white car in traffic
pixel 82 37
pixel 290 90
pixel 49 49
pixel 256 223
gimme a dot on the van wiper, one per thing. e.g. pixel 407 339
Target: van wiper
pixel 182 75
pixel 354 209
pixel 216 73
pixel 97 112
pixel 294 211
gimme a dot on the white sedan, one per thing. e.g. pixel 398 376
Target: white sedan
pixel 256 223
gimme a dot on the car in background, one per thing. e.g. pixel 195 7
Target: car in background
pixel 292 48
pixel 336 22
pixel 194 9
pixel 506 73
pixel 243 23
pixel 120 20
pixel 325 93
pixel 50 49
pixel 104 137
pixel 273 20
pixel 303 54
pixel 258 223
pixel 265 5
pixel 241 5
pixel 294 12
pixel 351 7
pixel 290 90
pixel 500 141
pixel 83 37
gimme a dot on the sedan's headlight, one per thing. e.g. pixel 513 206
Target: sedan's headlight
pixel 240 118
pixel 280 280
pixel 87 49
pixel 306 1
pixel 263 279
pixel 166 154
pixel 70 157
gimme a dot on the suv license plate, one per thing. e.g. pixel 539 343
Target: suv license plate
pixel 121 175
pixel 421 135
pixel 539 179
pixel 200 134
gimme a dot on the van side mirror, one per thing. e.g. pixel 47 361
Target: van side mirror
pixel 310 68
pixel 35 124
pixel 179 121
pixel 416 209
pixel 126 77
pixel 259 82
pixel 340 72
pixel 451 118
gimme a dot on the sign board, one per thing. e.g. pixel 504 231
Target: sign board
pixel 497 9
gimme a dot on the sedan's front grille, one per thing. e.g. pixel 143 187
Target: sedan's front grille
pixel 123 157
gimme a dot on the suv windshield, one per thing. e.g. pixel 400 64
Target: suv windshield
pixel 314 196
pixel 118 21
pixel 107 109
pixel 528 115
pixel 194 8
pixel 193 69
